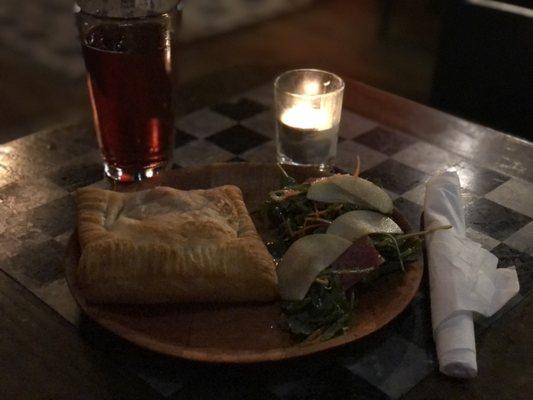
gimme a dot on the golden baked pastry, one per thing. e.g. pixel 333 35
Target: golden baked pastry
pixel 168 245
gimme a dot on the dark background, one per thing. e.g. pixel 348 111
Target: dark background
pixel 464 57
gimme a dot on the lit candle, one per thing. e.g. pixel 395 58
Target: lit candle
pixel 304 116
pixel 308 115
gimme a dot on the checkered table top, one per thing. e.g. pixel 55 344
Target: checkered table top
pixel 40 172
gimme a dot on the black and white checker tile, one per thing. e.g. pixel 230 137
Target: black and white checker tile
pixel 39 173
pixel 385 141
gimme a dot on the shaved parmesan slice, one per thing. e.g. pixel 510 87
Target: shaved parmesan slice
pixel 356 224
pixel 351 189
pixel 304 260
pixel 327 192
pixel 365 192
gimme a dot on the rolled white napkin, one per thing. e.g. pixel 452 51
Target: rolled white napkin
pixel 463 278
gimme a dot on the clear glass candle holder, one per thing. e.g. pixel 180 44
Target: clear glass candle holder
pixel 308 106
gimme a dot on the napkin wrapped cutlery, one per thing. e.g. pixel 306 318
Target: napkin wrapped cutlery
pixel 463 278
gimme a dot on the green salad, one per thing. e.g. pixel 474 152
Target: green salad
pixel 332 237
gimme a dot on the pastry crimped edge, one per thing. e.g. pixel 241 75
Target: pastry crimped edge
pixel 115 270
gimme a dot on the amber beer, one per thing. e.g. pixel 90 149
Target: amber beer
pixel 130 76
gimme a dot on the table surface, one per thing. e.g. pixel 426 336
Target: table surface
pixel 48 350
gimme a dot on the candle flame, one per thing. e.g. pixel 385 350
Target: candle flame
pixel 303 116
pixel 311 88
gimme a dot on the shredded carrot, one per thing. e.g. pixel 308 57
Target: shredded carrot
pixel 357 169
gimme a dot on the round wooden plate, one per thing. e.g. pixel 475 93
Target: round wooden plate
pixel 241 333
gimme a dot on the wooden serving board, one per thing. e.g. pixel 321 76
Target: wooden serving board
pixel 238 333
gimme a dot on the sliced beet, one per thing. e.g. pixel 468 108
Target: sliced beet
pixel 360 256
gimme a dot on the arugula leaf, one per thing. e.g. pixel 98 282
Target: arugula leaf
pixel 327 309
pixel 287 179
pixel 409 249
pixel 297 216
pixel 325 312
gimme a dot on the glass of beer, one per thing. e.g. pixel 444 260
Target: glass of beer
pixel 128 47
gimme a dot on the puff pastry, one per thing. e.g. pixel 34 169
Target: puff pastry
pixel 168 245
